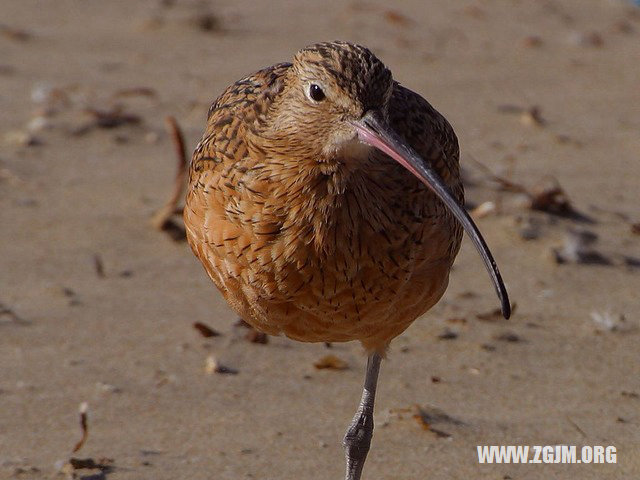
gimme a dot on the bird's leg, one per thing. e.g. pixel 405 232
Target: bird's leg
pixel 358 437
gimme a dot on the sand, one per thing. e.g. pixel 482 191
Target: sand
pixel 98 307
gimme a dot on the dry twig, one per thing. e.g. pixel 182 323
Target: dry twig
pixel 162 219
pixel 84 426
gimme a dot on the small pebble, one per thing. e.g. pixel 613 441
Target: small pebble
pixel 40 93
pixel 151 137
pixel 213 366
pixel 527 227
pixel 107 388
pixel 532 117
pixel 532 41
pixel 578 248
pixel 609 322
pixel 39 123
pixel 207 22
pixel 484 209
pixel 19 138
pixel 448 335
pixel 588 39
pixel 508 337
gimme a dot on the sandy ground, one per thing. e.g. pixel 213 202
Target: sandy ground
pixel 564 370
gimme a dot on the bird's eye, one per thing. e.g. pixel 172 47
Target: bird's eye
pixel 316 93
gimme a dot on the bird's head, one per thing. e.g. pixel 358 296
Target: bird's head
pixel 328 88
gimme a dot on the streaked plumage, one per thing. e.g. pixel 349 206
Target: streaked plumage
pixel 324 202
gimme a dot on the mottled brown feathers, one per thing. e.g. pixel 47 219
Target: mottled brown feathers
pixel 356 70
pixel 318 243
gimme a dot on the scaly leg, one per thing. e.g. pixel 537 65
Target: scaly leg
pixel 358 437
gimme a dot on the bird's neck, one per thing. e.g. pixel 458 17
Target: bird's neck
pixel 325 193
pixel 328 215
pixel 330 202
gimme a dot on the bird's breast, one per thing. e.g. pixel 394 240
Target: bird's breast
pixel 327 259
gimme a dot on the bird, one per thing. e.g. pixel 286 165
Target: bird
pixel 325 202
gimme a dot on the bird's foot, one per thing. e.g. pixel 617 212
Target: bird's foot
pixel 357 441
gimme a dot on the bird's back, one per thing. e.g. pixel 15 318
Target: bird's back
pixel 315 254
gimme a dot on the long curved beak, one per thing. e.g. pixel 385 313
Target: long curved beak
pixel 373 130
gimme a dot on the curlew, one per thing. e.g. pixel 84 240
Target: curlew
pixel 325 203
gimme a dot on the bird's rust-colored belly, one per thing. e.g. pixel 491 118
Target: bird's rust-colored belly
pixel 361 283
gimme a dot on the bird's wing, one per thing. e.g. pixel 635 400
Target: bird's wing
pixel 428 133
pixel 219 205
pixel 238 106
